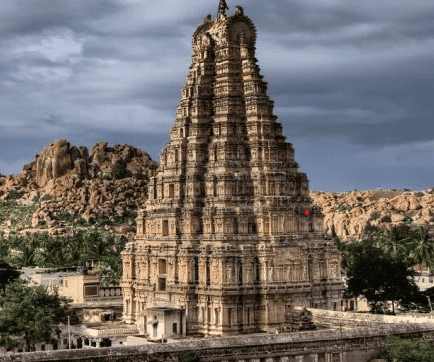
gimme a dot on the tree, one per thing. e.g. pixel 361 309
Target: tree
pixel 29 315
pixel 110 267
pixel 7 274
pixel 377 275
pixel 422 250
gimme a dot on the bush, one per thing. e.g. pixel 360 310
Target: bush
pixel 419 194
pixel 45 198
pixel 121 171
pixel 399 349
pixel 344 208
pixel 187 356
pixel 82 222
pixel 64 216
pixel 15 195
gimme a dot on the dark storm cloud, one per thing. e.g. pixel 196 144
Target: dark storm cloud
pixel 22 17
pixel 352 81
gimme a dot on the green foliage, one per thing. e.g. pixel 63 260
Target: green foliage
pixel 121 171
pixel 45 198
pixel 64 216
pixel 344 208
pixel 15 195
pixel 107 176
pixel 36 199
pixel 419 194
pixel 383 270
pixel 29 314
pixel 7 274
pixel 407 350
pixel 377 275
pixel 188 356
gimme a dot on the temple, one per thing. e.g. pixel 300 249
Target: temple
pixel 228 240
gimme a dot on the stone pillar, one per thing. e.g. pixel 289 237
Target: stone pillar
pixel 299 358
pixel 98 342
pixel 284 359
pixel 314 357
pixel 184 323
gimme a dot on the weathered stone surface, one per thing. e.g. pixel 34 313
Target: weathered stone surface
pixel 382 209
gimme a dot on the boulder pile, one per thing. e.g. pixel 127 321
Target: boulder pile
pixel 353 215
pixel 107 183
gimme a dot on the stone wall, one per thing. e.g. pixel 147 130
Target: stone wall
pixel 321 345
pixel 350 319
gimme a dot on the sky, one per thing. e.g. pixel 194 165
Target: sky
pixel 352 81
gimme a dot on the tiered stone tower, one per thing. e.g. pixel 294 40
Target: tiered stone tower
pixel 228 231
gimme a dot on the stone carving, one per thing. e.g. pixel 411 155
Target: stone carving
pixel 207 19
pixel 297 320
pixel 239 10
pixel 223 7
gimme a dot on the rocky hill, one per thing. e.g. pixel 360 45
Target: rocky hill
pixel 355 215
pixel 108 182
pixel 112 181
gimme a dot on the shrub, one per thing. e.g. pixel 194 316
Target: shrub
pixel 344 208
pixel 64 216
pixel 408 219
pixel 399 349
pixel 45 198
pixel 187 356
pixel 107 176
pixel 102 220
pixel 375 215
pixel 419 194
pixel 82 222
pixel 36 199
pixel 121 171
pixel 15 195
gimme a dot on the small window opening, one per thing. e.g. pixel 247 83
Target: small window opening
pixel 162 266
pixel 165 227
pixel 162 284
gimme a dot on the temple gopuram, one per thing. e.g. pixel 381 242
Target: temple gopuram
pixel 228 240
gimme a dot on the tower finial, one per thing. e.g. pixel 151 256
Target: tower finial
pixel 223 7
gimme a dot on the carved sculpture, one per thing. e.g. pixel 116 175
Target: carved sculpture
pixel 223 7
pixel 239 10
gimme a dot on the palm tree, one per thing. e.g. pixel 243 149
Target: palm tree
pixel 114 260
pixel 422 250
pixel 395 242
